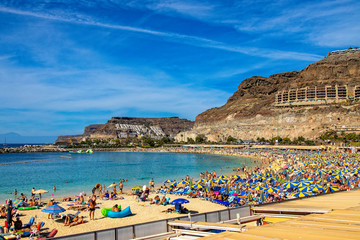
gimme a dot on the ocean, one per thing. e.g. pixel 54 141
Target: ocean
pixel 73 173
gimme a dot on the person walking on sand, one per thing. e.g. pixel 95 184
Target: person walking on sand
pixel 121 185
pixel 114 187
pixel 32 193
pixel 92 204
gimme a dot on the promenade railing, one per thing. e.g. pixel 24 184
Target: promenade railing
pixel 157 227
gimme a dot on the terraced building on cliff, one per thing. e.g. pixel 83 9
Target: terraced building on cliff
pixel 324 96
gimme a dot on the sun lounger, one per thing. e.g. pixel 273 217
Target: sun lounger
pixel 49 235
pixel 30 223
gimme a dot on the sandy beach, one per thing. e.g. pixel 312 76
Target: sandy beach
pixel 142 212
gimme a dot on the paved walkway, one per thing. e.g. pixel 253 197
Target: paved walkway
pixel 342 222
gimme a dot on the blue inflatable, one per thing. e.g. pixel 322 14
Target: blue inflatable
pixel 123 213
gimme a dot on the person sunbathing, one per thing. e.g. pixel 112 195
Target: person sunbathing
pixel 115 208
pixel 77 221
pixel 163 200
pixel 66 199
pixel 156 200
pixel 69 220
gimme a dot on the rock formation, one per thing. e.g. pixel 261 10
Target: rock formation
pixel 123 127
pixel 325 95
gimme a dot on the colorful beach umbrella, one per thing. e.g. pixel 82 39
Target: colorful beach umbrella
pixel 331 189
pixel 220 181
pixel 223 176
pixel 301 194
pixel 258 188
pixel 198 186
pixel 271 189
pixel 305 189
pixel 54 209
pixel 17 202
pixel 184 182
pixel 289 185
pixel 303 184
pixel 200 181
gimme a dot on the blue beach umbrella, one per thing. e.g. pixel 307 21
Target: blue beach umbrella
pixel 184 182
pixel 258 188
pixel 54 209
pixel 168 181
pixel 222 176
pixel 198 186
pixel 179 201
pixel 200 181
pixel 301 194
pixel 289 185
pixel 305 189
pixel 271 189
pixel 220 181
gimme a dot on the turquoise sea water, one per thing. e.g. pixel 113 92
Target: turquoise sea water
pixel 74 173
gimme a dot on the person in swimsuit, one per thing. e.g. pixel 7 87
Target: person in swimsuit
pixel 92 204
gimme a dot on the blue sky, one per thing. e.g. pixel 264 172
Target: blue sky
pixel 67 64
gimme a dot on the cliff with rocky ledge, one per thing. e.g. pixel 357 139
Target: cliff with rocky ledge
pixel 123 127
pixel 325 95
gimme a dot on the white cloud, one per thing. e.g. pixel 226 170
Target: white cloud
pixel 174 37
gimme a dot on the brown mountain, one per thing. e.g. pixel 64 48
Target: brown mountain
pixel 325 95
pixel 122 127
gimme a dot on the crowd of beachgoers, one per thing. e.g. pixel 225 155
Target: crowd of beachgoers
pixel 279 175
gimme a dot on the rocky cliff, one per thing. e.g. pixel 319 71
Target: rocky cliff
pixel 122 127
pixel 305 103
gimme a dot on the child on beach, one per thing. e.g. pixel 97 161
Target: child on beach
pixel 92 204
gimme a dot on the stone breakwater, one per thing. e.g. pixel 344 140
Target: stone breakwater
pixel 32 149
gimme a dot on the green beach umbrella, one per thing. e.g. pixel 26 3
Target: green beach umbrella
pixel 250 198
pixel 237 190
pixel 262 197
